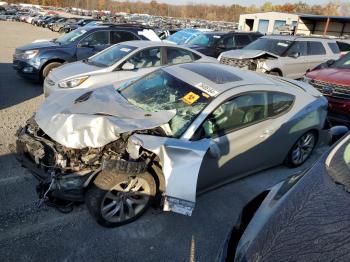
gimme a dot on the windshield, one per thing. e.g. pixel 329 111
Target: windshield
pixel 70 37
pixel 161 91
pixel 275 46
pixel 206 40
pixel 111 55
pixel 343 62
pixel 183 36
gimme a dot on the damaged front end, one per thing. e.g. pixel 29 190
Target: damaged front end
pixel 68 171
pixel 259 62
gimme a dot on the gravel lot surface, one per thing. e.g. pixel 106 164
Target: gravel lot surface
pixel 31 233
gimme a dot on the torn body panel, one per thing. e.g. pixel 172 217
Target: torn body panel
pixel 181 161
pixel 81 119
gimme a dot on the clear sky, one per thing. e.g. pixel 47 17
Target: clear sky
pixel 242 2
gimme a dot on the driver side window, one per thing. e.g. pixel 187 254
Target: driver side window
pixel 298 47
pixel 146 58
pixel 239 112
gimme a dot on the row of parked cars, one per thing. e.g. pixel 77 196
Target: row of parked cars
pixel 130 121
pixel 287 56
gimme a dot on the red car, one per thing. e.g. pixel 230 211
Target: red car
pixel 333 80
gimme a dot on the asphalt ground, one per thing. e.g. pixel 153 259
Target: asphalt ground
pixel 32 233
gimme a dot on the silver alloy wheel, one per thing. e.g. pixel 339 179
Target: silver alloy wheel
pixel 125 200
pixel 303 148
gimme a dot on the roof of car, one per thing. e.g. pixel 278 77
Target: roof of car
pixel 216 76
pixel 295 37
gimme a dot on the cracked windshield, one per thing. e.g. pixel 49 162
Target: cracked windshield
pixel 161 91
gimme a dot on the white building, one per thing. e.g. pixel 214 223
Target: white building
pixel 266 23
pixel 301 24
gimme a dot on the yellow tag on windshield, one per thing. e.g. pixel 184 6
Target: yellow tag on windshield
pixel 190 98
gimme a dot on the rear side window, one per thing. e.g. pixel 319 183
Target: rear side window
pixel 120 36
pixel 180 56
pixel 242 40
pixel 334 47
pixel 316 48
pixel 279 103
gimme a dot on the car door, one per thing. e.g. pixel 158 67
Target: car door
pixel 92 44
pixel 245 131
pixel 144 62
pixel 295 62
pixel 317 54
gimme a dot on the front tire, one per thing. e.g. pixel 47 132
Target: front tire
pixel 117 199
pixel 301 150
pixel 47 69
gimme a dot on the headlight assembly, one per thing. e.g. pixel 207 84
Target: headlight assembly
pixel 72 82
pixel 29 54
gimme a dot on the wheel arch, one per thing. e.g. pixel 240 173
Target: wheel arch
pixel 49 61
pixel 277 70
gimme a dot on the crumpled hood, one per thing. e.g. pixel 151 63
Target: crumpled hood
pixel 246 54
pixel 331 75
pixel 73 69
pixel 79 119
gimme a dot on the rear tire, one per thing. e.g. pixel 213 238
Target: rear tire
pixel 117 199
pixel 301 150
pixel 47 69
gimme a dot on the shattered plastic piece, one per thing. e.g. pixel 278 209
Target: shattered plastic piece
pixel 181 161
pixel 178 205
pixel 96 121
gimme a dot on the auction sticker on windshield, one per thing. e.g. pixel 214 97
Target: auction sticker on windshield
pixel 190 98
pixel 207 89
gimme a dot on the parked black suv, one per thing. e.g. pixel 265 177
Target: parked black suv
pixel 36 60
pixel 214 43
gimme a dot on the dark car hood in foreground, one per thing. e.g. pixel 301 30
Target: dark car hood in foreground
pixel 79 118
pixel 331 75
pixel 38 45
pixel 308 222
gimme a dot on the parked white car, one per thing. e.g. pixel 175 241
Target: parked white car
pixel 118 63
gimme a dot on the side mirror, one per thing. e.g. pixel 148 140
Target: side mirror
pixel 214 150
pixel 128 66
pixel 337 132
pixel 294 55
pixel 330 62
